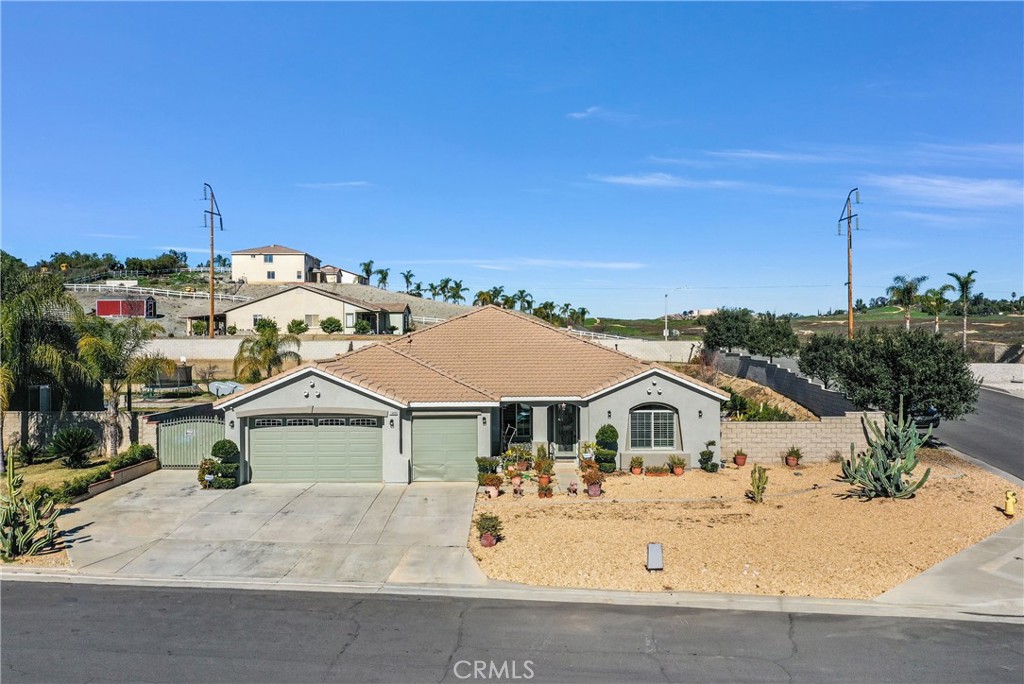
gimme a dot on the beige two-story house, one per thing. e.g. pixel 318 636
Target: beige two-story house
pixel 273 264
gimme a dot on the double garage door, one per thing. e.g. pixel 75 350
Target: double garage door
pixel 335 449
pixel 350 449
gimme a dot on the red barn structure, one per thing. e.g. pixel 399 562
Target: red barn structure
pixel 123 308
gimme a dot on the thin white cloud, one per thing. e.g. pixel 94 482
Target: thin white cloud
pixel 679 161
pixel 666 180
pixel 343 185
pixel 601 114
pixel 494 267
pixel 952 191
pixel 112 236
pixel 518 263
pixel 769 155
pixel 192 250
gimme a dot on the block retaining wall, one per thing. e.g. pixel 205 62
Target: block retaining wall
pixel 767 442
pixel 817 399
pixel 37 427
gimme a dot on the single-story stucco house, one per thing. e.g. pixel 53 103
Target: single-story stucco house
pixel 312 305
pixel 425 405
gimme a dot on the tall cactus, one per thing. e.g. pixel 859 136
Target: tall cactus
pixel 758 482
pixel 884 469
pixel 27 524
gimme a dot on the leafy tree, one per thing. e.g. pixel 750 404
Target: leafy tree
pixel 362 327
pixel 265 350
pixel 903 292
pixel 727 328
pixel 297 326
pixel 199 327
pixel 331 325
pixel 772 336
pixel 115 355
pixel 934 302
pixel 884 364
pixel 76 260
pixel 39 345
pixel 382 277
pixel 407 276
pixel 823 357
pixel 964 284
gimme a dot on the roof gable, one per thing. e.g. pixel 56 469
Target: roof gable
pixel 270 249
pixel 315 290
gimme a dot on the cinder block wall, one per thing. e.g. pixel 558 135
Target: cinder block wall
pixel 767 442
pixel 818 400
pixel 36 427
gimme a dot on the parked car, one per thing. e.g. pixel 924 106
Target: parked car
pixel 925 418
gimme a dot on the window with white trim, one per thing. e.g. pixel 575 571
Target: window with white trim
pixel 271 275
pixel 364 422
pixel 256 318
pixel 268 422
pixel 519 417
pixel 350 320
pixel 299 421
pixel 313 320
pixel 652 426
pixel 268 258
pixel 298 275
pixel 332 421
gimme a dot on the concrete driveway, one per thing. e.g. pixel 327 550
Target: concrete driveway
pixel 163 525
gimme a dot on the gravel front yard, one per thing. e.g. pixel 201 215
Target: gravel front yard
pixel 807 539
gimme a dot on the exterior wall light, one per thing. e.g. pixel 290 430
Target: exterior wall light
pixel 391 422
pixel 609 414
pixel 700 414
pixel 306 394
pixel 231 424
pixel 485 419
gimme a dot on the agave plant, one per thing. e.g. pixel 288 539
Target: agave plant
pixel 73 446
pixel 27 524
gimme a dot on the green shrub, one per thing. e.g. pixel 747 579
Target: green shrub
pixel 636 462
pixel 545 466
pixel 362 328
pixel 73 446
pixel 488 523
pixel 199 327
pixel 223 483
pixel 657 470
pixel 78 486
pixel 225 470
pixel 136 453
pixel 331 325
pixel 707 457
pixel 28 524
pixel 225 450
pixel 232 329
pixel 297 327
pixel 206 467
pixel 29 453
pixel 487 464
pixel 607 436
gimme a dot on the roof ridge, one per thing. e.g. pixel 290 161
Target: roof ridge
pixel 406 338
pixel 441 371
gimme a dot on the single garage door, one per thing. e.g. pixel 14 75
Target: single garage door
pixel 336 449
pixel 444 449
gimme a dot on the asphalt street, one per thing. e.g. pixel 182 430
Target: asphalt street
pixel 57 632
pixel 994 434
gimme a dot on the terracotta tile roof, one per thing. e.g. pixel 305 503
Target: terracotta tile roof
pixel 270 249
pixel 515 355
pixel 388 372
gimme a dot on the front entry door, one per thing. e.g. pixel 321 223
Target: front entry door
pixel 564 421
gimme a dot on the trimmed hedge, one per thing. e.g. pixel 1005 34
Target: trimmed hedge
pixel 225 450
pixel 136 453
pixel 606 459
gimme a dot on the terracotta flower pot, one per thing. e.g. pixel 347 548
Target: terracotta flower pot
pixel 594 490
pixel 522 465
pixel 791 461
pixel 492 492
pixel 678 470
pixel 543 479
pixel 740 459
pixel 517 480
pixel 487 540
pixel 549 495
pixel 636 471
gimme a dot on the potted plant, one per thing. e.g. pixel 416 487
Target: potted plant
pixel 739 457
pixel 636 465
pixel 491 482
pixel 488 526
pixel 545 467
pixel 586 449
pixel 657 471
pixel 515 477
pixel 677 463
pixel 544 491
pixel 793 456
pixel 592 477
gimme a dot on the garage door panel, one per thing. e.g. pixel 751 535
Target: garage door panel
pixel 444 449
pixel 316 453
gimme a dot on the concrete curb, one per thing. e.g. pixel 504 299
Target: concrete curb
pixel 514 592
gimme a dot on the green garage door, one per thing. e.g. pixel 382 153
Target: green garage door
pixel 444 449
pixel 316 449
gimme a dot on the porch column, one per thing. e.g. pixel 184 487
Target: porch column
pixel 540 426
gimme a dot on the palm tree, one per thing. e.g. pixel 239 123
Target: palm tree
pixel 265 350
pixel 563 311
pixel 382 278
pixel 545 311
pixel 581 315
pixel 508 302
pixel 434 289
pixel 497 293
pixel 115 355
pixel 525 300
pixel 482 298
pixel 407 276
pixel 934 302
pixel 964 284
pixel 903 291
pixel 417 290
pixel 367 268
pixel 39 346
pixel 444 288
pixel 456 290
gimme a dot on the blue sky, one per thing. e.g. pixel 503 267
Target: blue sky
pixel 597 154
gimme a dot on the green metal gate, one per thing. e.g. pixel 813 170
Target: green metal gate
pixel 184 442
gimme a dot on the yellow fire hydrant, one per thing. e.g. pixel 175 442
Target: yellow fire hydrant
pixel 1011 504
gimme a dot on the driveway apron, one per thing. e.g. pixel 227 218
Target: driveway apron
pixel 164 525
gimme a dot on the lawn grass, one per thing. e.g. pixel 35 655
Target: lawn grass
pixel 52 473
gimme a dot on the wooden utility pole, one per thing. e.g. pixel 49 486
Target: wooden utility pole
pixel 848 215
pixel 214 210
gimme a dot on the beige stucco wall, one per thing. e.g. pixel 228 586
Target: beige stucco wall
pixel 287 268
pixel 289 305
pixel 817 440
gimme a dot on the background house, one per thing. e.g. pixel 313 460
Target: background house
pixel 273 264
pixel 312 305
pixel 333 274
